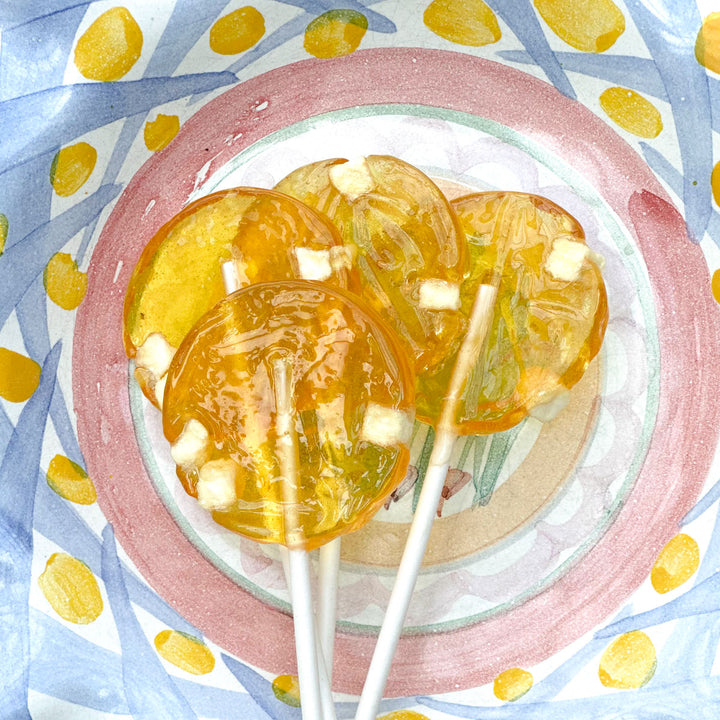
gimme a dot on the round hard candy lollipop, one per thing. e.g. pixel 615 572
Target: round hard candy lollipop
pixel 549 318
pixel 269 236
pixel 352 412
pixel 410 248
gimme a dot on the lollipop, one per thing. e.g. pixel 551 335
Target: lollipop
pixel 411 251
pixel 289 408
pixel 267 236
pixel 538 315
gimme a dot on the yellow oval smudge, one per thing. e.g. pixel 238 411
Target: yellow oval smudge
pixel 237 32
pixel 588 25
pixel 629 662
pixel 160 131
pixel 185 651
pixel 716 285
pixel 70 481
pixel 71 589
pixel 335 33
pixel 3 232
pixel 466 22
pixel 19 376
pixel 676 563
pixel 64 283
pixel 715 183
pixel 632 112
pixel 404 715
pixel 707 43
pixel 110 46
pixel 71 167
pixel 512 684
pixel 287 689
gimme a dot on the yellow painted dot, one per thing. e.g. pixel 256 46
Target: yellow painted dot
pixel 466 22
pixel 335 33
pixel 3 232
pixel 707 43
pixel 71 589
pixel 404 715
pixel 237 32
pixel 588 25
pixel 19 376
pixel 676 563
pixel 716 285
pixel 64 283
pixel 287 689
pixel 71 167
pixel 110 46
pixel 70 481
pixel 185 651
pixel 715 183
pixel 629 662
pixel 512 684
pixel 160 131
pixel 632 112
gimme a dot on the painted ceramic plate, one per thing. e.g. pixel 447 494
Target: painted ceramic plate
pixel 572 566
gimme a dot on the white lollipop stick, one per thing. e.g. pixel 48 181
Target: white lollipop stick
pixel 480 319
pixel 314 703
pixel 327 600
pixel 300 589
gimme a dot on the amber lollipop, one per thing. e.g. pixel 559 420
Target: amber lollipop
pixel 536 312
pixel 289 408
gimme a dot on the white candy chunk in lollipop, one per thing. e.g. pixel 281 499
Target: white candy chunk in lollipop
pixel 566 259
pixel 385 426
pixel 438 294
pixel 155 355
pixel 191 447
pixel 313 264
pixel 352 178
pixel 159 390
pixel 216 488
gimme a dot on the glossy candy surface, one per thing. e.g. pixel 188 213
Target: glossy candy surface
pixel 178 277
pixel 550 314
pixel 352 404
pixel 405 234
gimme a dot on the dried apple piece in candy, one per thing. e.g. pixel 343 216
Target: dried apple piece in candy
pixel 269 236
pixel 352 404
pixel 550 314
pixel 410 247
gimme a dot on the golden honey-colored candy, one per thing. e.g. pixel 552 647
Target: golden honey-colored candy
pixel 550 313
pixel 352 412
pixel 411 251
pixel 178 277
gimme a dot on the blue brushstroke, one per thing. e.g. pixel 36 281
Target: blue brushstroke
pixel 521 19
pixel 31 314
pixel 703 598
pixel 72 110
pixel 17 12
pixel 669 30
pixel 31 180
pixel 19 474
pixel 632 72
pixel 376 21
pixel 261 692
pixel 33 56
pixel 61 523
pixel 151 693
pixel 24 261
pixel 68 667
pixel 711 496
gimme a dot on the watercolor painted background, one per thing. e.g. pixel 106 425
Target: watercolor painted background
pixel 102 103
